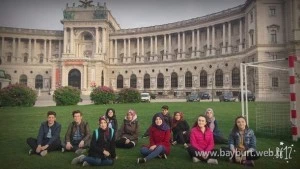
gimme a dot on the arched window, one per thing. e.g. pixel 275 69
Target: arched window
pixel 188 79
pixel 39 82
pixel 160 80
pixel 235 75
pixel 146 81
pixel 203 78
pixel 87 36
pixel 102 78
pixel 120 82
pixel 133 81
pixel 23 80
pixel 174 80
pixel 219 78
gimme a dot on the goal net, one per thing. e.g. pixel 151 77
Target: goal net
pixel 268 81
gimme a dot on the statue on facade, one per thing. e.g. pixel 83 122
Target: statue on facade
pixel 100 14
pixel 68 15
pixel 85 3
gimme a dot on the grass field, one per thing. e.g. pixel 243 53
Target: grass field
pixel 17 124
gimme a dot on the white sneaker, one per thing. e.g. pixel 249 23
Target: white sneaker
pixel 85 164
pixel 185 145
pixel 212 161
pixel 44 153
pixel 78 159
pixel 195 160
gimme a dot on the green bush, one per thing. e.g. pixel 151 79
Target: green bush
pixel 67 95
pixel 129 95
pixel 17 95
pixel 102 95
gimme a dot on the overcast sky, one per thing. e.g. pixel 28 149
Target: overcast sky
pixel 46 14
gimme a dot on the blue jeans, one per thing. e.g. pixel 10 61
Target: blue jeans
pixel 148 154
pixel 98 161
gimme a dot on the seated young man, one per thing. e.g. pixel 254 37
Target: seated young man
pixel 48 138
pixel 78 135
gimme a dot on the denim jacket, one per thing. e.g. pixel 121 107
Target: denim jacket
pixel 249 140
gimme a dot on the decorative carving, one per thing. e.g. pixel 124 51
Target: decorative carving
pixel 68 15
pixel 85 3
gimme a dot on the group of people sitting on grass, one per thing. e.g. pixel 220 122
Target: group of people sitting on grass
pixel 199 141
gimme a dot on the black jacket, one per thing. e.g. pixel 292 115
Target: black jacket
pixel 102 143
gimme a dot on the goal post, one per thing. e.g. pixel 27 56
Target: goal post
pixel 268 81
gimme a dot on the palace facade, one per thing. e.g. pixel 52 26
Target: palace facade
pixel 201 54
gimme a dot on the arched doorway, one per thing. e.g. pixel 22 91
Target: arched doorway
pixel 74 78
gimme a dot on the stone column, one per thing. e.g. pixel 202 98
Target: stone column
pixel 143 50
pixel 34 49
pixel 19 48
pixel 14 47
pixel 45 49
pixel 138 46
pixel 129 52
pixel 116 51
pixel 103 40
pixel 165 44
pixel 151 45
pixel 65 39
pixel 241 35
pixel 59 48
pixel 85 72
pixel 97 39
pixel 2 46
pixel 178 45
pixel 183 44
pixel 125 51
pixel 155 45
pixel 229 38
pixel 207 42
pixel 170 47
pixel 50 49
pixel 198 43
pixel 72 40
pixel 213 50
pixel 193 44
pixel 224 39
pixel 63 76
pixel 111 50
pixel 29 50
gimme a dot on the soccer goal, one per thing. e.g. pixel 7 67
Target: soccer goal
pixel 268 81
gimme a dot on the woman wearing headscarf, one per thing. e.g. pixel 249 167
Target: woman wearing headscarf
pixel 213 125
pixel 102 148
pixel 180 129
pixel 159 140
pixel 129 130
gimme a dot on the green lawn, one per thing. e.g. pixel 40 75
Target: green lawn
pixel 17 124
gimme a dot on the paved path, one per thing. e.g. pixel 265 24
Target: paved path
pixel 46 100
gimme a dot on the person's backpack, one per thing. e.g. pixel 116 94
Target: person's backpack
pixel 111 133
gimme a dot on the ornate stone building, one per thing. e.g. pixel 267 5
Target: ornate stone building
pixel 197 55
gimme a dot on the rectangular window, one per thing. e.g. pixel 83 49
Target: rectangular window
pixel 272 11
pixel 273 36
pixel 275 82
